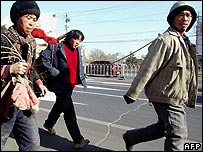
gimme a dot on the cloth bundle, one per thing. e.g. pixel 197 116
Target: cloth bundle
pixel 39 33
pixel 23 96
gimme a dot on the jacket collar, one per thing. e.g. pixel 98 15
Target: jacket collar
pixel 175 33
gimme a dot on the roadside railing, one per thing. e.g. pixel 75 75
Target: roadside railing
pixel 111 71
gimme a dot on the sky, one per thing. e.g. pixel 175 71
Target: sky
pixel 115 27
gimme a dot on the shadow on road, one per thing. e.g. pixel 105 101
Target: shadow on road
pixel 63 144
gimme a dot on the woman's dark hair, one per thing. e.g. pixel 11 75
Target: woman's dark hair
pixel 74 34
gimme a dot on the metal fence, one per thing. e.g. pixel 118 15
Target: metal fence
pixel 109 70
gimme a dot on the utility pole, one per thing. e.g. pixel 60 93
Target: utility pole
pixel 66 20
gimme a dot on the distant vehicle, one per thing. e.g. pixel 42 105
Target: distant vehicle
pixel 103 68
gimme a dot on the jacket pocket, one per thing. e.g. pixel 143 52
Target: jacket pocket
pixel 173 88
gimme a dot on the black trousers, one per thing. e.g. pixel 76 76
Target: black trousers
pixel 64 104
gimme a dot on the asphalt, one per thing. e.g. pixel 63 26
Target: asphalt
pixel 12 146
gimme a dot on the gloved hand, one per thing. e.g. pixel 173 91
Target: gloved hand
pixel 128 100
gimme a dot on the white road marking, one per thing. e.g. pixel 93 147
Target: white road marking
pixel 51 96
pixel 105 123
pixel 102 88
pixel 109 83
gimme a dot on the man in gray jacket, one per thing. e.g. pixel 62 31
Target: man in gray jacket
pixel 169 77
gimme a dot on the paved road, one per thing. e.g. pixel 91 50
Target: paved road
pixel 103 117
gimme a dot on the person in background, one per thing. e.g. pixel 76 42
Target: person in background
pixel 169 75
pixel 65 72
pixel 18 49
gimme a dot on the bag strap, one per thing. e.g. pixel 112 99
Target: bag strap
pixel 5 88
pixel 52 53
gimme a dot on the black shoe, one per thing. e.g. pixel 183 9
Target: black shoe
pixel 82 143
pixel 51 131
pixel 127 144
